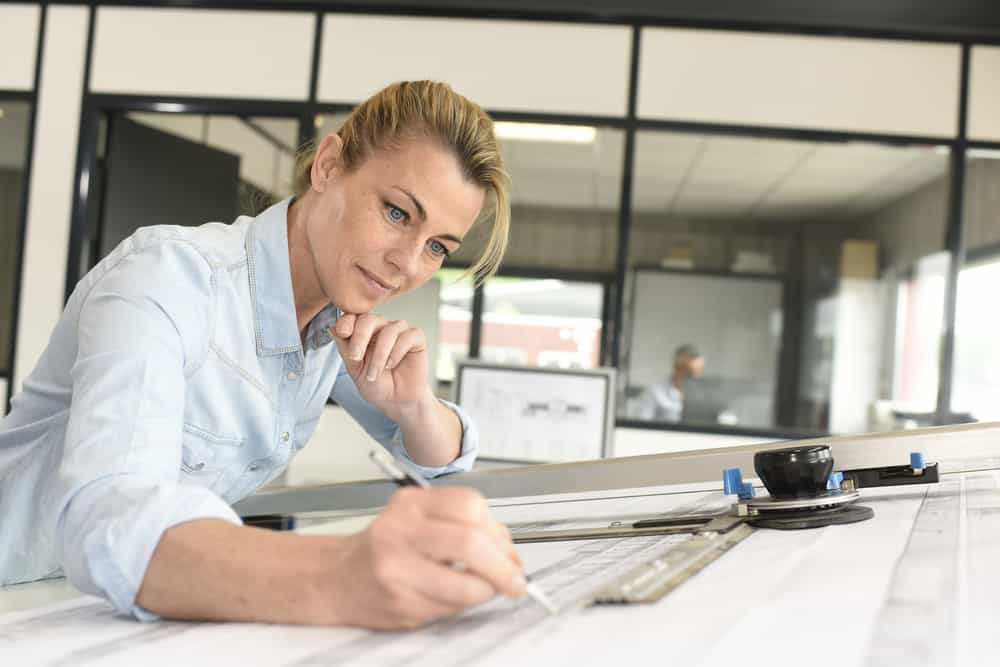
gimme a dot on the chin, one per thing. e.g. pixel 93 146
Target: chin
pixel 358 304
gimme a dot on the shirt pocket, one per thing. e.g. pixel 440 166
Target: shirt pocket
pixel 206 455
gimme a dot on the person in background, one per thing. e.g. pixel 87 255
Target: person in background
pixel 664 401
pixel 192 363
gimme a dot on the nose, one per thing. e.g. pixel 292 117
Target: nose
pixel 405 256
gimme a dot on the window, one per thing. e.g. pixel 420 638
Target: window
pixel 454 327
pixel 782 284
pixel 542 322
pixel 565 195
pixel 976 373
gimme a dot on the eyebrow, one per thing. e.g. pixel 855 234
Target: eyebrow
pixel 423 214
pixel 416 202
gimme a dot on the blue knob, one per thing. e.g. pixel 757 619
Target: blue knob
pixel 732 481
pixel 833 484
pixel 746 491
pixel 917 461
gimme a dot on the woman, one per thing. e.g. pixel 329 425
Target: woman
pixel 191 363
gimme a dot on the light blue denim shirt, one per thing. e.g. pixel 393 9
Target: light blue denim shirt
pixel 174 384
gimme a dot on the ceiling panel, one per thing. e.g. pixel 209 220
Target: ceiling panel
pixel 692 176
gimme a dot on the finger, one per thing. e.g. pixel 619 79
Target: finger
pixel 475 549
pixel 501 534
pixel 381 347
pixel 345 325
pixel 467 506
pixel 450 587
pixel 365 327
pixel 411 609
pixel 410 340
pixel 461 504
pixel 458 504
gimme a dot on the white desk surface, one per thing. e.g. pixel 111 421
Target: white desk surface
pixel 918 582
pixel 36 594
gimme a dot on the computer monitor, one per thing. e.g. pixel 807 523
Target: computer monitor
pixel 728 400
pixel 538 415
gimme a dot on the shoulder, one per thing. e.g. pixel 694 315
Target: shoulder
pixel 216 243
pixel 167 269
pixel 161 256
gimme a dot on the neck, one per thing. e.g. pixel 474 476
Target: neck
pixel 678 379
pixel 309 296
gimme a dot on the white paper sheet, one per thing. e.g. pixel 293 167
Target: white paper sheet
pixel 842 595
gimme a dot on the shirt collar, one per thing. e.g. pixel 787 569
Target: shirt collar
pixel 275 322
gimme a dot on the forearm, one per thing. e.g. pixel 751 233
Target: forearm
pixel 432 433
pixel 213 570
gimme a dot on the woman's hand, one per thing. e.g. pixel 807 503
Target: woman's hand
pixel 387 359
pixel 430 554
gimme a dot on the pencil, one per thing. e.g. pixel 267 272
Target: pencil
pixel 404 474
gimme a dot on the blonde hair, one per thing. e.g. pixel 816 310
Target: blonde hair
pixel 433 109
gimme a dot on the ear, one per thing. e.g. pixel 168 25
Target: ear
pixel 326 162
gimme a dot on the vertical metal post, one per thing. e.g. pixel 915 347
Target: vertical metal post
pixel 625 207
pixel 955 245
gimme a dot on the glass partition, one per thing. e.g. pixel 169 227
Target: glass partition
pixel 542 322
pixel 976 377
pixel 206 168
pixel 780 284
pixel 454 326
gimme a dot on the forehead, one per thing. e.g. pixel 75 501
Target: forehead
pixel 431 172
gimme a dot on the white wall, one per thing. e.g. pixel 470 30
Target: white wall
pixel 833 83
pixel 984 94
pixel 18 45
pixel 510 65
pixel 338 452
pixel 203 52
pixel 860 305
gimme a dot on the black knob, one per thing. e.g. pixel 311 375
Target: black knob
pixel 795 472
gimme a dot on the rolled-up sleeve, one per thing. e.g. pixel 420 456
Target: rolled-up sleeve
pixel 390 435
pixel 141 329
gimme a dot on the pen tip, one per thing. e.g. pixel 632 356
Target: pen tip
pixel 541 598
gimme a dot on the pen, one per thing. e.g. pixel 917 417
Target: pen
pixel 403 474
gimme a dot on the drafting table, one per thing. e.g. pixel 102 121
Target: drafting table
pixel 918 582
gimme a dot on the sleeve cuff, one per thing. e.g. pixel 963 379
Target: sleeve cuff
pixel 466 457
pixel 112 529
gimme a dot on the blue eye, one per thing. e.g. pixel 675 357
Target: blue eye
pixel 439 249
pixel 396 214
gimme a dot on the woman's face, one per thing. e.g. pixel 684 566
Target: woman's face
pixel 386 227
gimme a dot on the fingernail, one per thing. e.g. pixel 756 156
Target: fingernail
pixel 519 581
pixel 371 376
pixel 355 356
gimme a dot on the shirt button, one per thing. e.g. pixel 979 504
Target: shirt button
pixel 285 436
pixel 254 467
pixel 292 375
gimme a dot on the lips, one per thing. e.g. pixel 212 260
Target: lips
pixel 377 282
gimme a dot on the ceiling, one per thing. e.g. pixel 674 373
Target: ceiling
pixel 691 176
pixel 698 177
pixel 681 176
